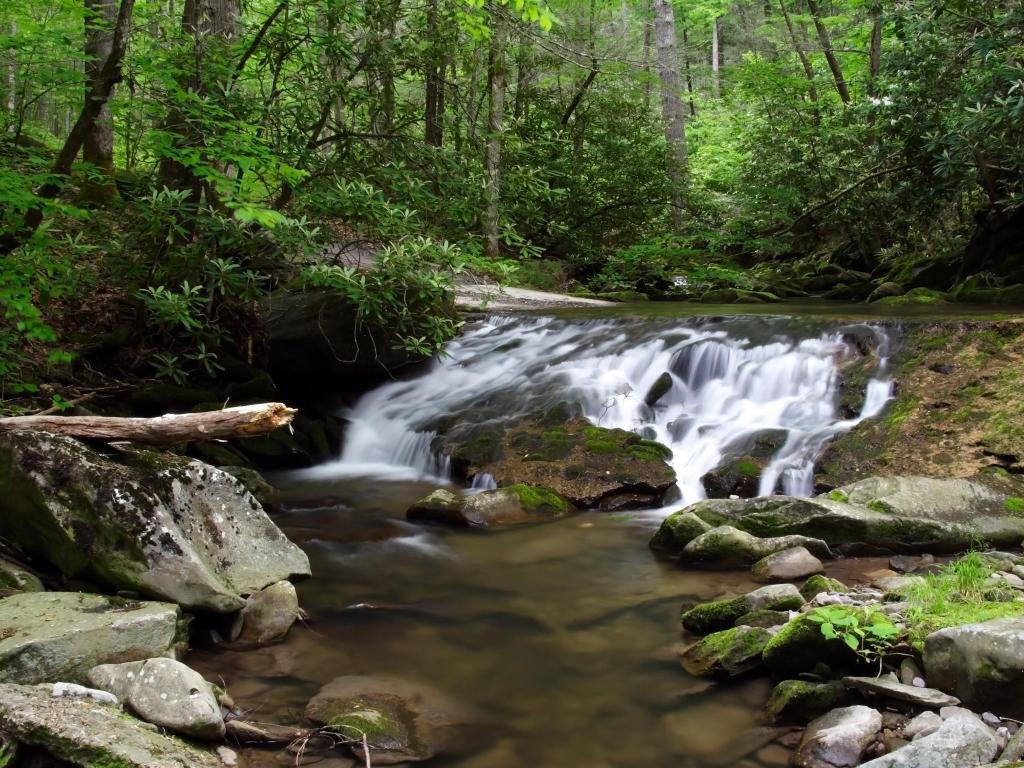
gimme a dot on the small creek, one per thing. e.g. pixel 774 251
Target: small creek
pixel 562 635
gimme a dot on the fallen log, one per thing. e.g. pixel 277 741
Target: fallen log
pixel 240 421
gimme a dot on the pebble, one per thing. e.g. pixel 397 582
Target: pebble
pixel 227 756
pixel 991 719
pixel 918 682
pixel 909 671
pixel 923 725
pixel 1003 737
pixel 947 712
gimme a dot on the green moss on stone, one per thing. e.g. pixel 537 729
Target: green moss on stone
pixel 818 583
pixel 798 701
pixel 535 499
pixel 747 468
pixel 677 530
pixel 714 616
pixel 1014 505
pixel 839 496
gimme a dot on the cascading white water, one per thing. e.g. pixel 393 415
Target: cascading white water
pixel 725 390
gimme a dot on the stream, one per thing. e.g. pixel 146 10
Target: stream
pixel 563 636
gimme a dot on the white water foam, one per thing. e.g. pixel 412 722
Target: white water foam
pixel 725 391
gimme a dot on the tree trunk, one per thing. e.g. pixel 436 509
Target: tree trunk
pixel 242 421
pixel 830 56
pixel 805 62
pixel 648 39
pixel 715 83
pixel 98 148
pixel 433 113
pixel 12 81
pixel 671 104
pixel 875 49
pixel 689 74
pixel 496 77
pixel 98 95
pixel 524 80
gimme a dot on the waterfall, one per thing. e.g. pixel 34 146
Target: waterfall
pixel 730 380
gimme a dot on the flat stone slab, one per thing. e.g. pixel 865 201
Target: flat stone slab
pixel 961 740
pixel 60 636
pixel 87 733
pixel 922 697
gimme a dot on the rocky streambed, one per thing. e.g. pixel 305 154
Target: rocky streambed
pixel 483 592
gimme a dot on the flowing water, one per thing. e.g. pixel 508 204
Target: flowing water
pixel 563 636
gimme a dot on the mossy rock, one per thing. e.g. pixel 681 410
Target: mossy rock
pixel 267 495
pixel 819 583
pixel 513 505
pixel 625 297
pixel 763 618
pixel 800 645
pixel 676 531
pixel 379 721
pixel 730 653
pixel 658 389
pixel 14 578
pixel 798 702
pixel 722 614
pixel 727 547
pixel 886 290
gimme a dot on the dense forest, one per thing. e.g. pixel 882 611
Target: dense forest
pixel 166 165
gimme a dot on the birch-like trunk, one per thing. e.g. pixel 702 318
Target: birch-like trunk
pixel 496 84
pixel 671 104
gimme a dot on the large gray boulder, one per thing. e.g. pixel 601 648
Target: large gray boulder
pixel 787 565
pixel 267 616
pixel 838 739
pixel 962 740
pixel 51 636
pixel 982 664
pixel 904 514
pixel 89 734
pixel 164 692
pixel 162 525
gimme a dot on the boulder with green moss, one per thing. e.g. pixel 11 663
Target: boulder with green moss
pixel 799 701
pixel 15 578
pixel 85 733
pixel 729 547
pixel 50 636
pixel 800 645
pixel 722 614
pixel 588 465
pixel 729 653
pixel 903 514
pixel 763 618
pixel 402 721
pixel 676 531
pixel 819 583
pixel 513 505
pixel 137 519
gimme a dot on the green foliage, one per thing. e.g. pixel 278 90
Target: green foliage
pixel 867 633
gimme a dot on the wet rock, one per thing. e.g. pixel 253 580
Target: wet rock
pixel 763 618
pixel 787 565
pixel 14 578
pixel 266 494
pixel 726 546
pixel 729 653
pixel 267 616
pixel 92 735
pixel 798 701
pixel 513 505
pixel 817 584
pixel 658 389
pixel 902 514
pixel 799 646
pixel 166 693
pixel 402 721
pixel 961 740
pixel 46 636
pixel 982 664
pixel 886 290
pixel 925 724
pixel 838 739
pixel 722 614
pixel 587 465
pixel 140 520
pixel 1014 749
pixel 890 689
pixel 909 672
pixel 676 531
pixel 741 477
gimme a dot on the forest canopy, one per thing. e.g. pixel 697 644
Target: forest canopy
pixel 169 163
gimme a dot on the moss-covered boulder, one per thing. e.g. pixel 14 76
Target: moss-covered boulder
pixel 722 614
pixel 15 578
pixel 799 701
pixel 85 733
pixel 136 519
pixel 60 636
pixel 676 531
pixel 729 653
pixel 886 290
pixel 403 721
pixel 763 618
pixel 903 514
pixel 800 645
pixel 588 465
pixel 741 477
pixel 514 505
pixel 729 547
pixel 819 583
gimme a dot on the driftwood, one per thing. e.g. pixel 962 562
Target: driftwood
pixel 241 421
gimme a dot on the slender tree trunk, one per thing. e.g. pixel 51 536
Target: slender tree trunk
pixel 12 81
pixel 648 40
pixel 805 62
pixel 689 74
pixel 671 104
pixel 715 82
pixel 98 148
pixel 875 48
pixel 524 79
pixel 433 129
pixel 830 56
pixel 496 77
